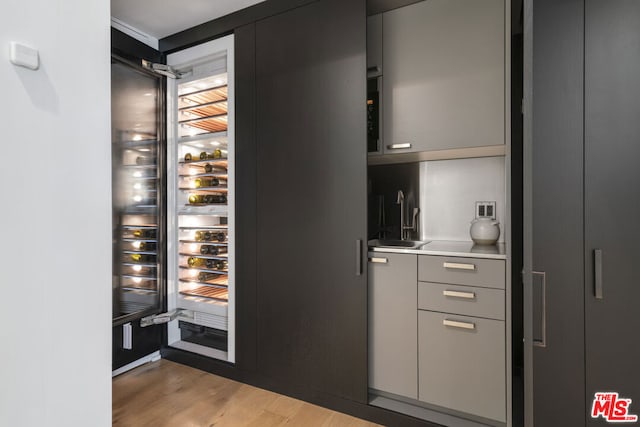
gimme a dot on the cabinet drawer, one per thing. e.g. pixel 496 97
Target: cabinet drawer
pixel 465 300
pixel 487 273
pixel 462 364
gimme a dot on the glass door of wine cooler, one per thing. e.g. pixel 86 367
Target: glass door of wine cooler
pixel 137 175
pixel 201 267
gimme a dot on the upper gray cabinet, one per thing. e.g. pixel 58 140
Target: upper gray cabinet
pixel 444 75
pixel 374 45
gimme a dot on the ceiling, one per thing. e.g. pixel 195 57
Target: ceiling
pixel 161 18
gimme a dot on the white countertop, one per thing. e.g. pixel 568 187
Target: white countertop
pixel 466 249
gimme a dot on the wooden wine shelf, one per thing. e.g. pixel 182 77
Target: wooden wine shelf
pixel 219 294
pixel 221 280
pixel 223 257
pixel 204 96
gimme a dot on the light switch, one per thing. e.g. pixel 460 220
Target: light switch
pixel 24 56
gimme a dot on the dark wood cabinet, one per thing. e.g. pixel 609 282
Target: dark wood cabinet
pixel 311 197
pixel 586 104
pixel 612 199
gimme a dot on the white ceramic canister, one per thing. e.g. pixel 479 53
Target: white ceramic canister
pixel 485 231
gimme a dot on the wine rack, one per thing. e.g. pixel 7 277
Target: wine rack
pixel 203 110
pixel 138 275
pixel 203 192
pixel 203 262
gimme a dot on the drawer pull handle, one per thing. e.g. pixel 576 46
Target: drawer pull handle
pixel 398 146
pixel 456 324
pixel 458 266
pixel 458 294
pixel 376 260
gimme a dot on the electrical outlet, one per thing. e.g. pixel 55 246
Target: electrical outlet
pixel 486 210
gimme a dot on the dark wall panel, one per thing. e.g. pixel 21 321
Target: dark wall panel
pixel 558 210
pixel 311 209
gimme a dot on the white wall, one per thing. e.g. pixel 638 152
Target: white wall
pixel 449 190
pixel 55 223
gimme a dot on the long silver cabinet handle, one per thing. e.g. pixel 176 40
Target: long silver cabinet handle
pixel 458 294
pixel 457 324
pixel 458 266
pixel 398 146
pixel 376 260
pixel 542 342
pixel 597 267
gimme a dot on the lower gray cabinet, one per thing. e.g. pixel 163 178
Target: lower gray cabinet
pixel 393 323
pixel 462 363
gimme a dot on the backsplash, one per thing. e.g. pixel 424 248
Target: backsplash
pixel 448 193
pixel 445 191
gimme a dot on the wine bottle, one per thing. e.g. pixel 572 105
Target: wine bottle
pixel 145 233
pixel 143 258
pixel 209 182
pixel 202 236
pixel 209 168
pixel 204 276
pixel 207 199
pixel 213 250
pixel 188 157
pixel 196 262
pixel 147 246
pixel 203 155
pixel 216 264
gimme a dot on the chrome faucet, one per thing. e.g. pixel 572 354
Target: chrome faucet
pixel 404 228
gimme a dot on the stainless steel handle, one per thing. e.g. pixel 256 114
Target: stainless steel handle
pixel 458 324
pixel 358 257
pixel 543 341
pixel 597 264
pixel 127 336
pixel 398 146
pixel 376 260
pixel 459 294
pixel 458 266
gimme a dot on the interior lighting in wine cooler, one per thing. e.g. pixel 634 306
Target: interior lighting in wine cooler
pixel 137 137
pixel 137 174
pixel 137 280
pixel 137 268
pixel 136 244
pixel 137 198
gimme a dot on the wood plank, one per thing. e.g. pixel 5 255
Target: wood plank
pixel 165 393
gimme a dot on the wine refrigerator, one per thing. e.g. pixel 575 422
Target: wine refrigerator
pixel 177 250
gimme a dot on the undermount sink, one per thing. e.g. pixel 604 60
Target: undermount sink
pixel 408 244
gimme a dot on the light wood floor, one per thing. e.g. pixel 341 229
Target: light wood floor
pixel 164 393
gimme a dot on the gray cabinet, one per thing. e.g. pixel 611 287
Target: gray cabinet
pixel 374 45
pixel 393 323
pixel 461 335
pixel 462 363
pixel 444 79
